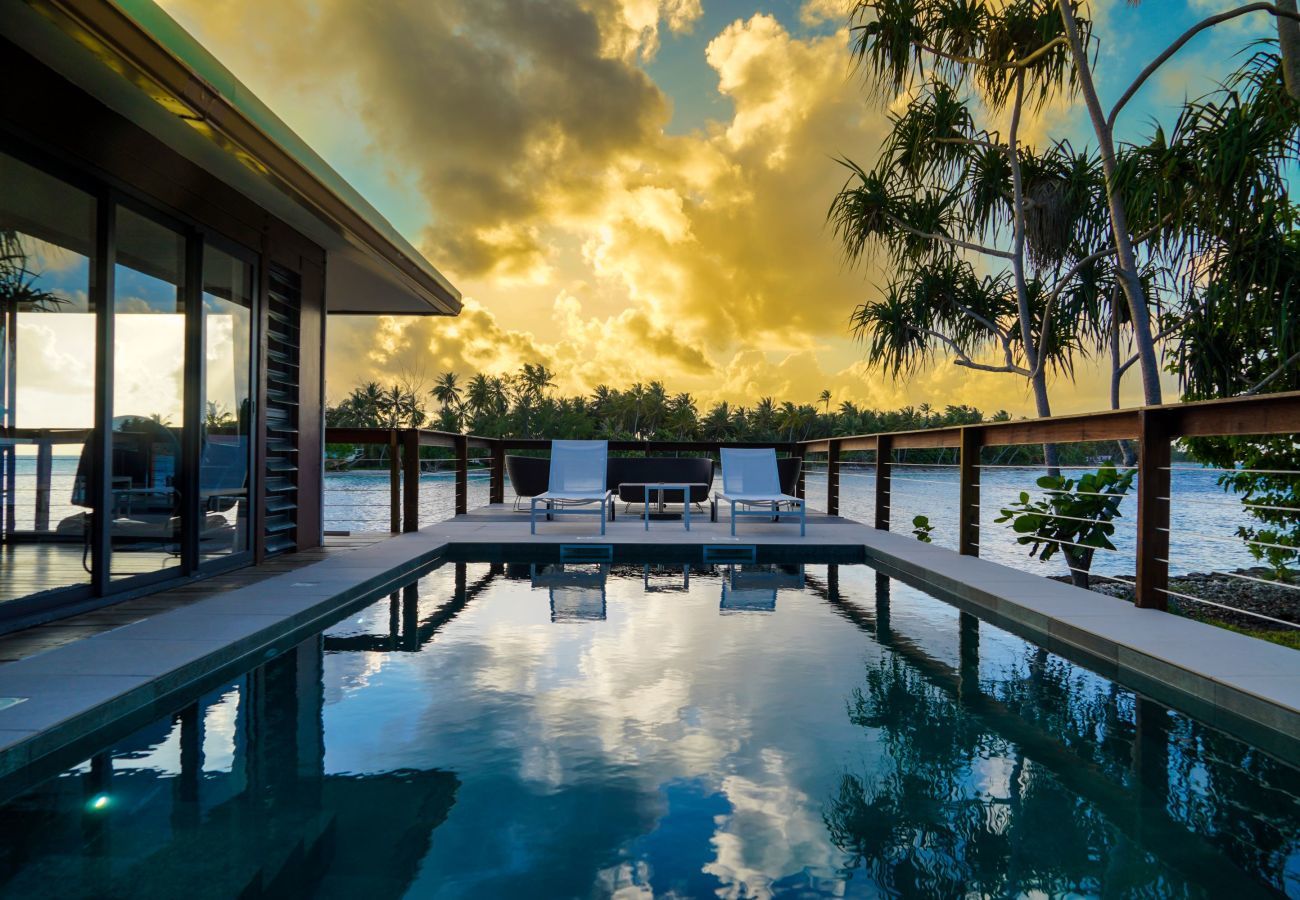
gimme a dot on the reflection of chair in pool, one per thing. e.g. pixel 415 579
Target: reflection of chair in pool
pixel 753 589
pixel 666 578
pixel 577 595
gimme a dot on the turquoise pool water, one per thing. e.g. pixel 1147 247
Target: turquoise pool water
pixel 517 731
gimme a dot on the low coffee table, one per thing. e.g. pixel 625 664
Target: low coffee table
pixel 659 488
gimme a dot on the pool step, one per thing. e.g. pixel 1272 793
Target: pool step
pixel 586 552
pixel 723 553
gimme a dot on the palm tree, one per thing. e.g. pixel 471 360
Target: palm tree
pixel 499 394
pixel 536 378
pixel 446 390
pixel 825 400
pixel 478 396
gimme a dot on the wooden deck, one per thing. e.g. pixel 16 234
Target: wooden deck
pixel 21 644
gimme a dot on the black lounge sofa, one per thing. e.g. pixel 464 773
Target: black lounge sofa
pixel 529 475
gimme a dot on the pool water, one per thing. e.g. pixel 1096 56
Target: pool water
pixel 587 730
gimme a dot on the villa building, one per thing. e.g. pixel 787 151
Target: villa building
pixel 169 254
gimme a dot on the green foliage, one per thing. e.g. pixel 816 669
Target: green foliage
pixel 1266 475
pixel 940 206
pixel 922 528
pixel 1075 517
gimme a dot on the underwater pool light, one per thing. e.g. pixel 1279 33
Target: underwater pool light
pixel 98 802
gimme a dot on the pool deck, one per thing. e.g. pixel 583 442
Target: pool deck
pixel 56 703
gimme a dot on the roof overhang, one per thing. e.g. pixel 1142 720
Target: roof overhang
pixel 137 61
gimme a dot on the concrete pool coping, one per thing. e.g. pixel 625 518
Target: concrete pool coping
pixel 125 677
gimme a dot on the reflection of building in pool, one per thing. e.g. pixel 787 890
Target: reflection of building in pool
pixel 408 631
pixel 577 590
pixel 228 798
pixel 753 588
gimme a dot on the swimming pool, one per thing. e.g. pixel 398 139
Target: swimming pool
pixel 586 729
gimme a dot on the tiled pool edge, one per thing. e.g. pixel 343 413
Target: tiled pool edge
pixel 1144 649
pixel 368 573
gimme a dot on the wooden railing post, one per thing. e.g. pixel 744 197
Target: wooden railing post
pixel 968 491
pixel 394 483
pixel 798 451
pixel 832 477
pixel 884 460
pixel 462 474
pixel 410 479
pixel 1153 483
pixel 497 484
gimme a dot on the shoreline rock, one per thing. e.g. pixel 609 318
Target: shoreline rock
pixel 1241 595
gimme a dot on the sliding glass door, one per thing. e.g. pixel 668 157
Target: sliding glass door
pixel 226 456
pixel 47 381
pixel 147 503
pixel 127 392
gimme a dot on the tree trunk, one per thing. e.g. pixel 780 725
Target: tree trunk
pixel 1126 257
pixel 1288 40
pixel 1126 453
pixel 1038 378
pixel 1079 563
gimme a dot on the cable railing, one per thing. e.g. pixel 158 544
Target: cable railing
pixel 958 477
pixel 1142 539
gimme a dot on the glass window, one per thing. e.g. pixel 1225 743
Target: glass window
pixel 226 462
pixel 47 380
pixel 148 397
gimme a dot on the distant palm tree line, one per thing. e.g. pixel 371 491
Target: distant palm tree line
pixel 524 405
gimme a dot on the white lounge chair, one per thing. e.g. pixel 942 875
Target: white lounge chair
pixel 577 480
pixel 750 482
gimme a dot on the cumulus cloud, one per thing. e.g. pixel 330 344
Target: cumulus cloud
pixel 587 234
pixel 814 12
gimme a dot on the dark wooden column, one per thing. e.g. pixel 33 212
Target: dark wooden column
pixel 833 477
pixel 968 492
pixel 410 479
pixel 884 459
pixel 462 474
pixel 798 450
pixel 497 485
pixel 1153 510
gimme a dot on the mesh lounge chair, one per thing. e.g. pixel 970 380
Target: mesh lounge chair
pixel 751 485
pixel 577 481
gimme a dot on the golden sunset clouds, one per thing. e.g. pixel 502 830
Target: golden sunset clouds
pixel 528 152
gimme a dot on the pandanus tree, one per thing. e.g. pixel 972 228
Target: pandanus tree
pixel 1010 57
pixel 997 250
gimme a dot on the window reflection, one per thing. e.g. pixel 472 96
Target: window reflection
pixel 225 464
pixel 47 375
pixel 148 396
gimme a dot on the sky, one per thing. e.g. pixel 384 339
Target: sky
pixel 636 190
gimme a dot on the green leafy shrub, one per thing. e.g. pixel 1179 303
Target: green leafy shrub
pixel 1075 518
pixel 921 527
